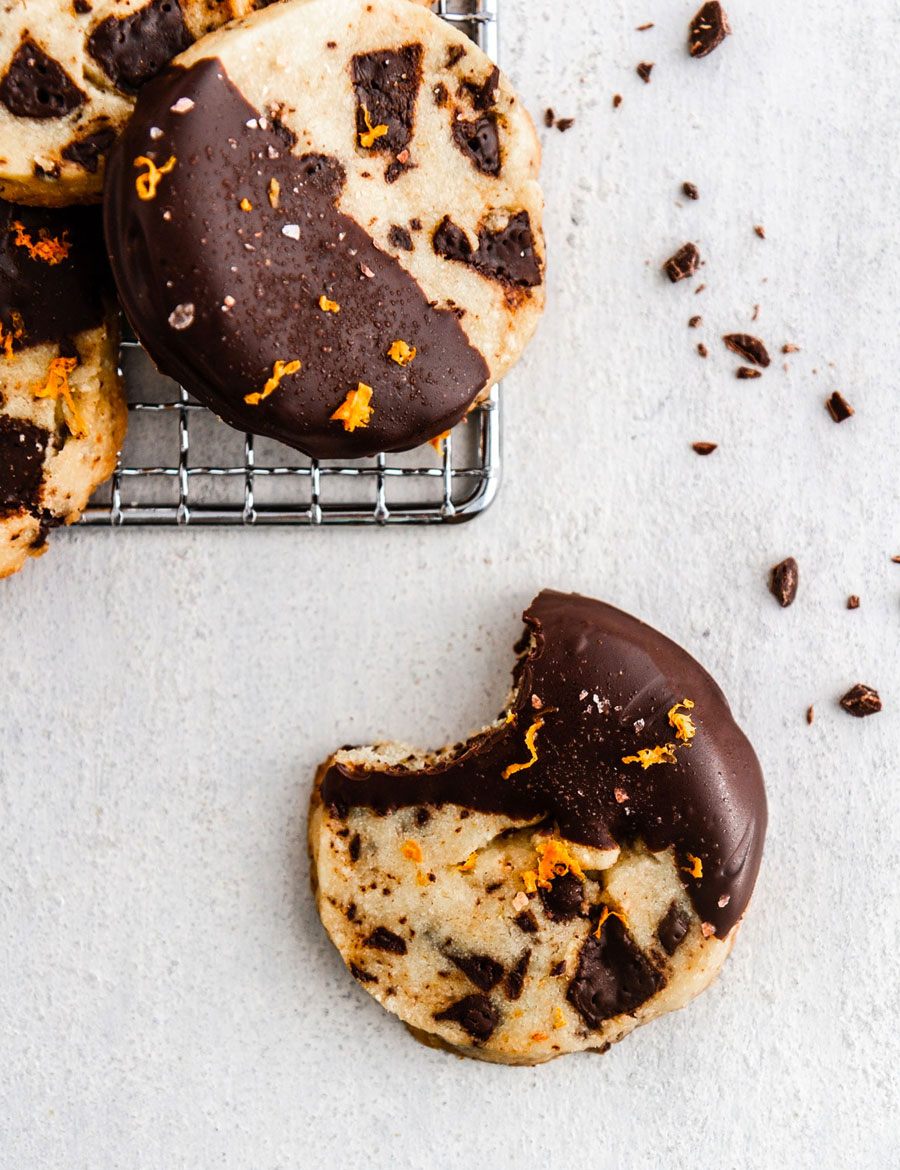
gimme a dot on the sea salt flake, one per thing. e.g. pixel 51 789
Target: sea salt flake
pixel 291 230
pixel 155 132
pixel 520 901
pixel 182 106
pixel 182 316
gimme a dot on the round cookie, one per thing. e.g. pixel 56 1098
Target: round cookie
pixel 325 222
pixel 576 869
pixel 69 73
pixel 62 412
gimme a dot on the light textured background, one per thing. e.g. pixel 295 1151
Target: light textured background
pixel 167 996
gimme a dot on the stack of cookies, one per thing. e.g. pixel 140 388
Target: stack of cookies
pixel 323 220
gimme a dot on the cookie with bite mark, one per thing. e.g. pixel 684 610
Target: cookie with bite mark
pixel 62 410
pixel 325 222
pixel 576 869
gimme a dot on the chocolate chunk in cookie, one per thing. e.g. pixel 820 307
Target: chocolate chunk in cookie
pixel 36 86
pixel 132 49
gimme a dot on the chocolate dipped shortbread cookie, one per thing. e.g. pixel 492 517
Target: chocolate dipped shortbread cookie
pixel 572 871
pixel 325 222
pixel 62 412
pixel 69 74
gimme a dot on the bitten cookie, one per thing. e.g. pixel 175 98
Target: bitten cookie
pixel 576 869
pixel 62 412
pixel 69 73
pixel 325 222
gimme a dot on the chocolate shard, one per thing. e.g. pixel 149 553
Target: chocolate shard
pixel 479 141
pixel 783 582
pixel 86 151
pixel 35 85
pixel 684 263
pixel 22 448
pixel 562 902
pixel 481 970
pixel 673 928
pixel 483 96
pixel 133 49
pixel 506 255
pixel 708 29
pixel 514 982
pixel 704 448
pixel 564 124
pixel 475 1014
pixel 549 117
pixel 853 601
pixel 751 349
pixel 386 84
pixel 690 190
pixel 644 69
pixel 838 407
pixel 382 939
pixel 613 976
pixel 744 372
pixel 861 701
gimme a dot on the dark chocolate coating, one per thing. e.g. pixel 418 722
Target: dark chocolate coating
pixel 209 248
pixel 54 301
pixel 22 448
pixel 594 672
pixel 132 49
pixel 35 85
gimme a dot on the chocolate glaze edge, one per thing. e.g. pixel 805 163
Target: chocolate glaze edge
pixel 605 683
pixel 213 357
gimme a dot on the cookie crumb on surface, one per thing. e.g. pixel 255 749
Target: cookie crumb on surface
pixel 783 582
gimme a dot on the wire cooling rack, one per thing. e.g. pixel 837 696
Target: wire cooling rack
pixel 181 465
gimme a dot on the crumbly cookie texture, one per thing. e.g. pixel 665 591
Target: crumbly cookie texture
pixel 62 411
pixel 577 868
pixel 69 73
pixel 353 252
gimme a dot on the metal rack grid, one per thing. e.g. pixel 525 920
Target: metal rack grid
pixel 181 465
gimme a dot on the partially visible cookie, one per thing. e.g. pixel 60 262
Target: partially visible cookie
pixel 62 411
pixel 325 222
pixel 576 869
pixel 69 73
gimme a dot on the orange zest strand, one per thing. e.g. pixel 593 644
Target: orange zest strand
pixel 695 869
pixel 531 744
pixel 662 754
pixel 607 913
pixel 57 386
pixel 48 249
pixel 328 306
pixel 367 138
pixel 555 860
pixel 412 851
pixel 682 721
pixel 15 332
pixel 355 410
pixel 401 353
pixel 469 864
pixel 436 443
pixel 146 184
pixel 279 370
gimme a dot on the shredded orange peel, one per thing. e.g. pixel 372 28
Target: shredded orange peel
pixel 146 184
pixel 531 744
pixel 646 757
pixel 355 410
pixel 245 204
pixel 401 353
pixel 412 851
pixel 695 869
pixel 682 721
pixel 274 193
pixel 15 333
pixel 436 443
pixel 48 249
pixel 367 138
pixel 57 386
pixel 555 860
pixel 469 864
pixel 279 370
pixel 559 1020
pixel 607 913
pixel 328 306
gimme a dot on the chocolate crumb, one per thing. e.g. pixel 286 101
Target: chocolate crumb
pixel 564 124
pixel 895 560
pixel 783 582
pixel 838 407
pixel 617 100
pixel 644 70
pixel 790 348
pixel 701 349
pixel 751 349
pixel 861 701
pixel 690 190
pixel 760 230
pixel 685 262
pixel 549 117
pixel 644 27
pixel 699 289
pixel 853 601
pixel 810 714
pixel 747 372
pixel 704 448
pixel 695 321
pixel 708 29
pixel 755 313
